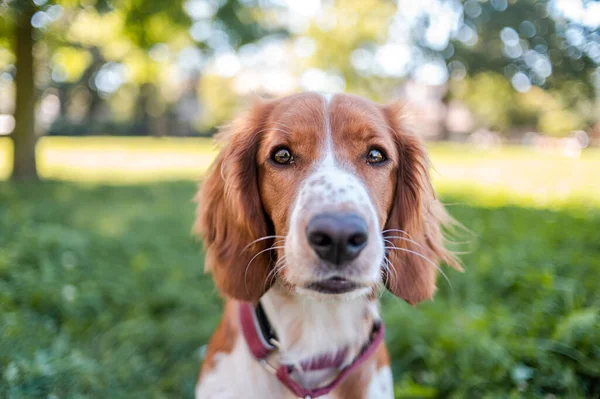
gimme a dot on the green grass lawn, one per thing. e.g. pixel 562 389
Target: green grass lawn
pixel 102 293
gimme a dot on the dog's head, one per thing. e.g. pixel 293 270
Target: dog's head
pixel 327 195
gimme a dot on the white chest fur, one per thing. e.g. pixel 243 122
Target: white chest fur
pixel 306 327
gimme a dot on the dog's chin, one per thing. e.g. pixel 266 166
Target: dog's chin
pixel 334 288
pixel 362 292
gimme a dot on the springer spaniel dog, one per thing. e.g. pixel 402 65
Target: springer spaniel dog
pixel 315 205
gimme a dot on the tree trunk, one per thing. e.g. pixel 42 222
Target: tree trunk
pixel 96 101
pixel 143 119
pixel 24 137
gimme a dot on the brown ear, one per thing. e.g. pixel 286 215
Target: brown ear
pixel 416 217
pixel 230 215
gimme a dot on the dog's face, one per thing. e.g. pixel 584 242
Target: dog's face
pixel 325 194
pixel 326 180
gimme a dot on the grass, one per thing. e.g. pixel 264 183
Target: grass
pixel 117 160
pixel 102 292
pixel 518 174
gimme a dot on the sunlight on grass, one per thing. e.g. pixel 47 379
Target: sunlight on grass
pixel 117 160
pixel 516 173
pixel 6 157
pixel 491 177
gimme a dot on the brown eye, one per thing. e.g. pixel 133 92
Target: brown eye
pixel 375 157
pixel 282 156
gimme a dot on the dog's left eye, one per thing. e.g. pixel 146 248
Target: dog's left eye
pixel 375 156
pixel 283 156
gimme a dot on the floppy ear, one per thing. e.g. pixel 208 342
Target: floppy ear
pixel 416 220
pixel 230 215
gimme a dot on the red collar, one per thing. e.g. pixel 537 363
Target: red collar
pixel 259 336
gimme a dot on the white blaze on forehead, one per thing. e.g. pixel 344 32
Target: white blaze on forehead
pixel 328 158
pixel 330 184
pixel 328 97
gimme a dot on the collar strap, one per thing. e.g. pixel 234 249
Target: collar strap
pixel 259 336
pixel 257 330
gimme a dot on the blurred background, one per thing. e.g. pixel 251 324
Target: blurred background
pixel 107 109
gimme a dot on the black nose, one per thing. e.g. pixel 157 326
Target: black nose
pixel 337 237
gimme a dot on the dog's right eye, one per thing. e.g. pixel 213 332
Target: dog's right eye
pixel 375 157
pixel 282 156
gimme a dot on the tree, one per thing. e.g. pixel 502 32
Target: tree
pixel 24 136
pixel 515 44
pixel 20 14
pixel 336 41
pixel 533 38
pixel 528 43
pixel 146 23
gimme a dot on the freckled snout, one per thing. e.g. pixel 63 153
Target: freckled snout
pixel 337 238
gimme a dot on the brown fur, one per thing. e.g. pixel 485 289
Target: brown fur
pixel 417 211
pixel 223 338
pixel 230 215
pixel 356 384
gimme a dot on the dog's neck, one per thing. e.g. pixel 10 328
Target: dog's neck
pixel 308 326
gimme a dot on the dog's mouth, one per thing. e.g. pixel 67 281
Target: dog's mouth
pixel 334 285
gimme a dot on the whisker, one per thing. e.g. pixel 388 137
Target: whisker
pixel 398 230
pixel 389 275
pixel 280 262
pixel 279 242
pixel 271 248
pixel 393 276
pixel 261 239
pixel 389 242
pixel 446 240
pixel 277 268
pixel 427 259
pixel 407 240
pixel 387 269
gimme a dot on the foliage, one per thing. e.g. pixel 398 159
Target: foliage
pixel 523 321
pixel 102 295
pixel 100 53
pixel 93 302
pixel 498 106
pixel 360 24
pixel 491 99
pixel 153 57
pixel 513 36
pixel 218 100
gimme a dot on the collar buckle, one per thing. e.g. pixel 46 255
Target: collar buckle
pixel 272 370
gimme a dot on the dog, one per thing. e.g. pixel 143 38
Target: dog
pixel 315 204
